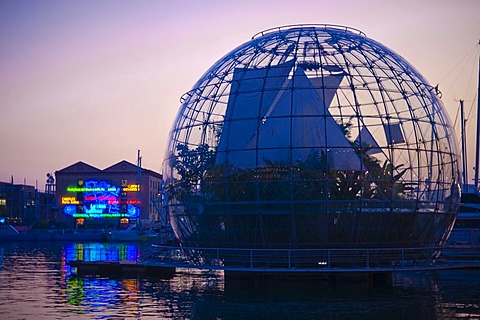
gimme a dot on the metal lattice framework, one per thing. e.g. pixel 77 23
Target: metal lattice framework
pixel 311 136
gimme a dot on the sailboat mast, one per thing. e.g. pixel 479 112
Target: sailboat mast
pixel 477 144
pixel 139 185
pixel 464 148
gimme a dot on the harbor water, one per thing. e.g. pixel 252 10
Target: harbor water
pixel 36 282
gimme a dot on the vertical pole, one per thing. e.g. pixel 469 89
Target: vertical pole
pixel 37 201
pixel 11 199
pixel 464 149
pixel 477 144
pixel 139 191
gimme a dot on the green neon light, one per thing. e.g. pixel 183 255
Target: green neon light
pixel 97 215
pixel 84 189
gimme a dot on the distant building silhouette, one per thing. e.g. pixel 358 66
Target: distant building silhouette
pixel 22 204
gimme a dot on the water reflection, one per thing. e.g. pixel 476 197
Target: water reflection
pixel 36 283
pixel 101 252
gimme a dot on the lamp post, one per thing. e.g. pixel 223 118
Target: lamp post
pixel 50 191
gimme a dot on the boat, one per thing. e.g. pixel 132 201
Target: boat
pixel 466 231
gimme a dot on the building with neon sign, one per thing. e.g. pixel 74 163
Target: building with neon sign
pixel 121 193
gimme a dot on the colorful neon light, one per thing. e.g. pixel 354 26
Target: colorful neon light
pixel 133 201
pixel 132 211
pixel 102 215
pixel 95 208
pixel 87 189
pixel 101 200
pixel 70 209
pixel 70 200
pixel 132 188
pixel 97 215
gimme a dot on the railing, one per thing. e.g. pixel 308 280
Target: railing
pixel 319 26
pixel 288 260
pixel 306 260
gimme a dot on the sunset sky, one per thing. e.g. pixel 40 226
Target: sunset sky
pixel 97 80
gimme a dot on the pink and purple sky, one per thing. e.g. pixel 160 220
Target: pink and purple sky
pixel 97 80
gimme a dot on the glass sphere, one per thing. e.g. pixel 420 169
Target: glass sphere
pixel 311 136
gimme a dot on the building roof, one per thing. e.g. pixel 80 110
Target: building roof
pixel 122 166
pixel 78 167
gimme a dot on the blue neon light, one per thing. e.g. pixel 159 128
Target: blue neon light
pixel 132 211
pixel 70 209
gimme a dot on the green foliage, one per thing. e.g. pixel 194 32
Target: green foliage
pixel 192 163
pixel 308 179
pixel 383 181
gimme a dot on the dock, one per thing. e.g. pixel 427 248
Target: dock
pixel 165 260
pixel 121 269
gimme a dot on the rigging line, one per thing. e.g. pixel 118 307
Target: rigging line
pixel 472 109
pixel 473 72
pixel 466 57
pixel 472 106
pixel 469 52
pixel 456 118
pixel 452 84
pixel 459 140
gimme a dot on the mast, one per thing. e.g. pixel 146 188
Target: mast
pixel 464 149
pixel 139 179
pixel 477 144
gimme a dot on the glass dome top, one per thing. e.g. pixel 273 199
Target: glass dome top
pixel 303 126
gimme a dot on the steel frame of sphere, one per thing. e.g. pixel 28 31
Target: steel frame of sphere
pixel 311 137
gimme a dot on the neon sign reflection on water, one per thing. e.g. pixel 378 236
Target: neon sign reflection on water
pixel 101 252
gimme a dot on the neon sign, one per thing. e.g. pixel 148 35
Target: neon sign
pixel 96 215
pixel 99 199
pixel 133 201
pixel 132 188
pixel 96 208
pixel 70 200
pixel 87 189
pixel 70 209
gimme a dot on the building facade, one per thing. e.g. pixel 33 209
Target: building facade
pixel 22 204
pixel 121 194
